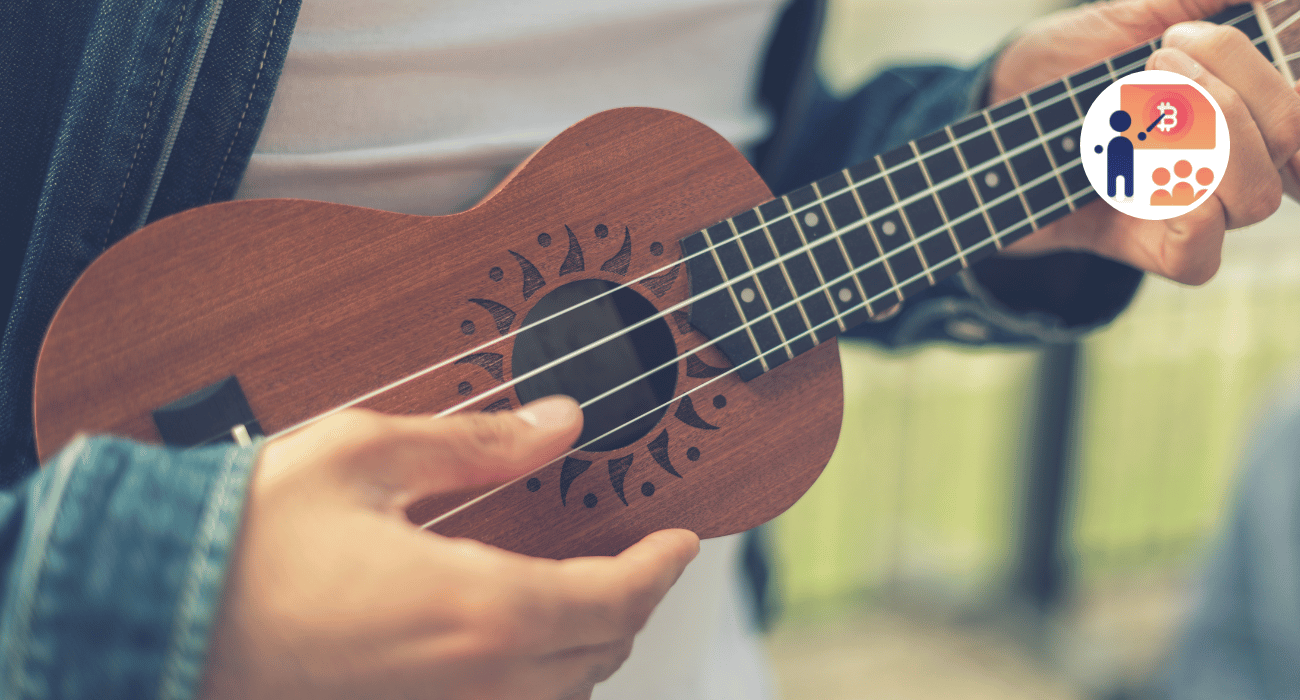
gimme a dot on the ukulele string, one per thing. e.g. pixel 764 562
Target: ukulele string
pixel 590 442
pixel 649 412
pixel 800 250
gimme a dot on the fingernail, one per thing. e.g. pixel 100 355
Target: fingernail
pixel 1176 61
pixel 550 413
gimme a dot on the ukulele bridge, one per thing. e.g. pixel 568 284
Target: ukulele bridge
pixel 218 412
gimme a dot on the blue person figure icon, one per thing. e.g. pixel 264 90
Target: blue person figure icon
pixel 1119 159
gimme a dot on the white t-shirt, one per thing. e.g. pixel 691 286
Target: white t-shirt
pixel 422 106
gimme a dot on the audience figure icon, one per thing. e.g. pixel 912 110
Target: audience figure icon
pixel 1119 156
pixel 1182 193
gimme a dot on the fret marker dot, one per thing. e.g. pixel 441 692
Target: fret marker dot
pixel 495 274
pixel 589 500
pixel 693 453
pixel 1068 144
pixel 647 489
pixel 465 388
pixel 889 228
pixel 533 484
pixel 467 327
pixel 845 295
pixel 991 179
pixel 747 295
pixel 544 239
pixel 810 219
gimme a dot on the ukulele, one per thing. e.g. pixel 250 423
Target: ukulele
pixel 636 262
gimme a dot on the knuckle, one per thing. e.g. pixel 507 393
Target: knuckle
pixel 491 630
pixel 611 658
pixel 1285 132
pixel 1232 104
pixel 486 436
pixel 1220 37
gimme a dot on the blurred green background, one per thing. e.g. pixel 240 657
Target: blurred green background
pixel 893 569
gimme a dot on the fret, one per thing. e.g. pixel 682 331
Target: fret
pixel 799 267
pixel 1230 14
pixel 1016 133
pixel 978 149
pixel 932 142
pixel 1047 92
pixel 848 216
pixel 714 310
pixel 848 294
pixel 943 166
pixel 1249 25
pixel 807 222
pixel 1050 165
pixel 776 280
pixel 1005 110
pixel 1138 55
pixel 1065 147
pixel 1076 180
pixel 876 278
pixel 895 157
pixel 748 222
pixel 732 265
pixel 943 245
pixel 969 125
pixel 1008 211
pixel 1055 114
pixel 905 258
pixel 1277 55
pixel 866 169
pixel 907 180
pixel 874 194
pixel 971 231
pixel 1085 93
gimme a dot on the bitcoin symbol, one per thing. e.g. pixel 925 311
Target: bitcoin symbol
pixel 1170 119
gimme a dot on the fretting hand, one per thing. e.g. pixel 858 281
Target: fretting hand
pixel 334 594
pixel 1262 111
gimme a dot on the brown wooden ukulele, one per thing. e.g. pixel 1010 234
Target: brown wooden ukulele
pixel 703 353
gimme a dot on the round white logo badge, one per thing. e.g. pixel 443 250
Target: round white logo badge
pixel 1155 144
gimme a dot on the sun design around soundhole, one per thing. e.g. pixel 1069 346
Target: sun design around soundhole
pixel 626 376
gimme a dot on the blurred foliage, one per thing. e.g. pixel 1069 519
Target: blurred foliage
pixel 924 485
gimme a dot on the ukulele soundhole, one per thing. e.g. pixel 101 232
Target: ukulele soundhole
pixel 642 358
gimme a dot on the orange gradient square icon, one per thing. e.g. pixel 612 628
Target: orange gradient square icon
pixel 1168 116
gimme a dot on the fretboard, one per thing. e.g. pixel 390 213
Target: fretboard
pixel 775 281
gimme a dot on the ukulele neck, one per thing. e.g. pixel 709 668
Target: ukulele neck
pixel 773 282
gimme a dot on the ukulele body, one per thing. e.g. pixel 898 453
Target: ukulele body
pixel 311 305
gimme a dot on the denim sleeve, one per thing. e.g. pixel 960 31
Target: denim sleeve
pixel 1242 637
pixel 115 556
pixel 1052 298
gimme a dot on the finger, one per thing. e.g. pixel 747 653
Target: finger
pixel 405 458
pixel 591 601
pixel 1147 18
pixel 1228 54
pixel 1251 189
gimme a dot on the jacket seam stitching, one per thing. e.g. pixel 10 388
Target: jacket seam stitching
pixel 46 510
pixel 148 117
pixel 170 140
pixel 171 684
pixel 216 180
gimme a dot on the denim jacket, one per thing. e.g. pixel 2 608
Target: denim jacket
pixel 119 112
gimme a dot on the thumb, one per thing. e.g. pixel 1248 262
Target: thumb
pixel 466 450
